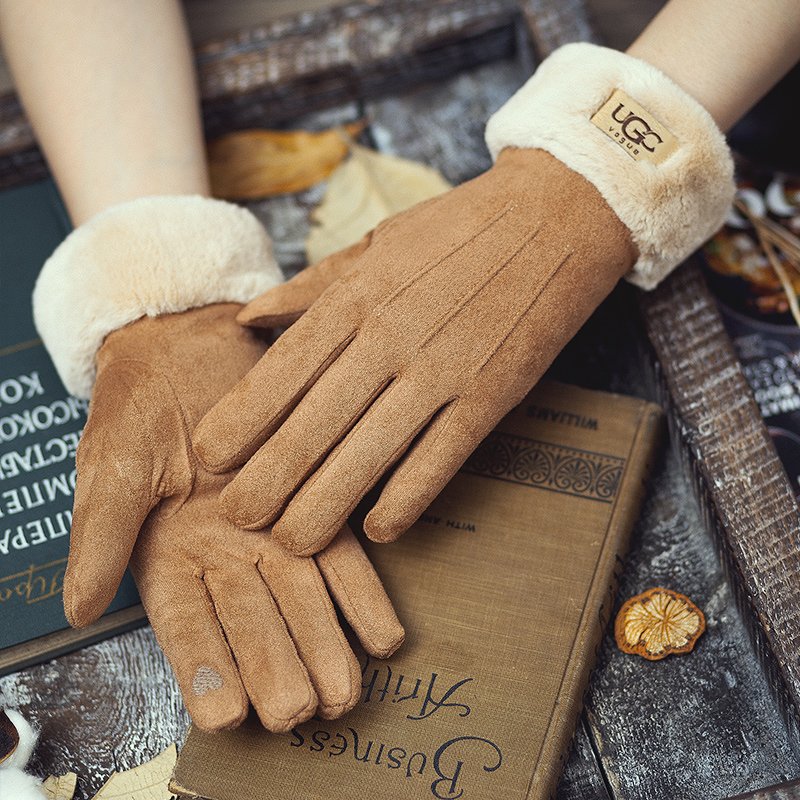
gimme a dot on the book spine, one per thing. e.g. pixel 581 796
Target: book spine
pixel 599 604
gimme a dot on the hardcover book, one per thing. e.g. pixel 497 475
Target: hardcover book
pixel 40 425
pixel 505 586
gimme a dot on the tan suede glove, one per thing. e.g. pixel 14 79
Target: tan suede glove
pixel 236 614
pixel 448 313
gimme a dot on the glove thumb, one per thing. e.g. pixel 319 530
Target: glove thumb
pixel 126 463
pixel 284 304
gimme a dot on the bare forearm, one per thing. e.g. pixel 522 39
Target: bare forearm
pixel 109 87
pixel 725 53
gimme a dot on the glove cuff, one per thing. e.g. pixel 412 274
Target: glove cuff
pixel 146 257
pixel 654 153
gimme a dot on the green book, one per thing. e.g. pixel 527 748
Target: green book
pixel 40 424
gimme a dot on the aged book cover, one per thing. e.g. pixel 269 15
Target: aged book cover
pixel 505 586
pixel 40 425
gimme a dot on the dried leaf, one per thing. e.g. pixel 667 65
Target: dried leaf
pixel 259 163
pixel 657 623
pixel 367 188
pixel 146 782
pixel 9 736
pixel 60 787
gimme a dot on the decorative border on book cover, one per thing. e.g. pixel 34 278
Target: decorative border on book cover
pixel 567 470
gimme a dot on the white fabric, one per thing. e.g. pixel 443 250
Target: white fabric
pixel 18 785
pixel 152 256
pixel 670 208
pixel 14 783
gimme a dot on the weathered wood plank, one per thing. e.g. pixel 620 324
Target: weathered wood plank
pixel 583 778
pixel 741 483
pixel 266 76
pixel 344 39
pixel 357 51
pixel 442 124
pixel 785 791
pixel 554 24
pixel 111 706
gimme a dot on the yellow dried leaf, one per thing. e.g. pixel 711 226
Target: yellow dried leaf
pixel 363 191
pixel 259 163
pixel 657 623
pixel 149 781
pixel 60 787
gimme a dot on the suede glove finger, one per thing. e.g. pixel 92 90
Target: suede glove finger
pixel 355 586
pixel 455 308
pixel 123 473
pixel 238 616
pixel 285 303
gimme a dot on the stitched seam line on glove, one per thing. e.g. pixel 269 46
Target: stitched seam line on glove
pixel 424 270
pixel 469 296
pixel 523 313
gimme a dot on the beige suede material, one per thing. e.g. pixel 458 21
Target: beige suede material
pixel 238 616
pixel 442 321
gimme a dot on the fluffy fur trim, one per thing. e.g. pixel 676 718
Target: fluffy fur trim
pixel 14 783
pixel 147 257
pixel 672 207
pixel 18 785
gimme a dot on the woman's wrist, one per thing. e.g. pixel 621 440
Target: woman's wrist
pixel 726 54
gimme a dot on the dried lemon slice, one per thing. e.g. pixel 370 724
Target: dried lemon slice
pixel 657 623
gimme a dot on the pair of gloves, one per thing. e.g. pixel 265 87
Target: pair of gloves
pixel 404 351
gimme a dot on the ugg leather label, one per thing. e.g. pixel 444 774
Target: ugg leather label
pixel 635 129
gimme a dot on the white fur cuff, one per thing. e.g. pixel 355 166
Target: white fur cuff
pixel 659 161
pixel 146 257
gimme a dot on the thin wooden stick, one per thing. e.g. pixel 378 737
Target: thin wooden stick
pixel 780 237
pixel 769 235
pixel 788 286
